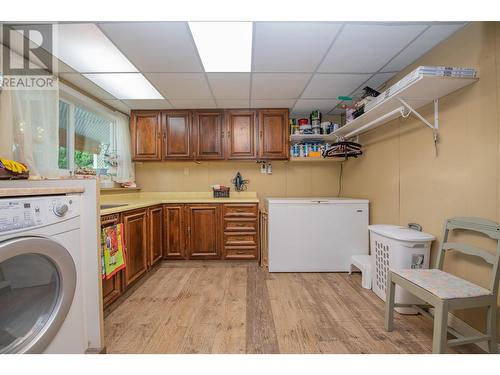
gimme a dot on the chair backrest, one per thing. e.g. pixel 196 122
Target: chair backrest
pixel 488 227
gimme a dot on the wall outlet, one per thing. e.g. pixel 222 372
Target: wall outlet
pixel 186 171
pixel 269 168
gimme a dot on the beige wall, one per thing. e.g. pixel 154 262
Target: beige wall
pixel 404 180
pixel 288 178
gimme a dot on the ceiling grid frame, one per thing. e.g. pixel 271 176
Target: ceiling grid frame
pixel 296 97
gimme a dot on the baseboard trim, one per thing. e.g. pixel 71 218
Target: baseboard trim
pixel 461 327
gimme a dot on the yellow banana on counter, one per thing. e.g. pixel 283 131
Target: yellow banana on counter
pixel 13 166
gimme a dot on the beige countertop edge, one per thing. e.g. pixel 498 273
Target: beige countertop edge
pixel 18 192
pixel 137 205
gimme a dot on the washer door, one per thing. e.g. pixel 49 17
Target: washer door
pixel 37 285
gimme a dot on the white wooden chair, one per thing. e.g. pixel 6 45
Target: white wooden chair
pixel 445 292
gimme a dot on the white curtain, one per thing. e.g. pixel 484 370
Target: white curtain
pixel 125 172
pixel 29 128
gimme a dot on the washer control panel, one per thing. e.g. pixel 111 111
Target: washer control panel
pixel 21 213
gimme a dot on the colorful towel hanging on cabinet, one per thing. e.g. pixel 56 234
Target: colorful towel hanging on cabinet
pixel 113 256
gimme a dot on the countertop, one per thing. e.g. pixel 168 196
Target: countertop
pixel 132 201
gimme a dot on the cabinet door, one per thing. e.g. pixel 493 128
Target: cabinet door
pixel 208 135
pixel 241 135
pixel 136 244
pixel 203 231
pixel 273 134
pixel 177 135
pixel 111 289
pixel 155 235
pixel 173 224
pixel 145 131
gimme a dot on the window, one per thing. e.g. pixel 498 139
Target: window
pixel 86 138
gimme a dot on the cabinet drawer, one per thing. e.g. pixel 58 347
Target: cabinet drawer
pixel 240 210
pixel 234 225
pixel 240 239
pixel 235 252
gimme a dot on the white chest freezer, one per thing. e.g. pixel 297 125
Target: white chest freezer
pixel 316 234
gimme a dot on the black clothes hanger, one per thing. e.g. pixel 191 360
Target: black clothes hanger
pixel 343 149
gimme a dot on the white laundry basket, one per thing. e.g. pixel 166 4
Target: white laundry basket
pixel 397 247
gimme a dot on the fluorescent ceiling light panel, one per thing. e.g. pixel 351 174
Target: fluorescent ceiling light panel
pixel 224 46
pixel 125 85
pixel 86 49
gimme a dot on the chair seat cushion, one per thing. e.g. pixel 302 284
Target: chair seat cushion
pixel 442 284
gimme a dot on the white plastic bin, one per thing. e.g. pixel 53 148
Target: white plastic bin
pixel 397 247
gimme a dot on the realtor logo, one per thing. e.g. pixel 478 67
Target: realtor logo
pixel 27 57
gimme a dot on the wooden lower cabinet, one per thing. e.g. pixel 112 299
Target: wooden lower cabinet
pixel 173 231
pixel 136 244
pixel 155 230
pixel 240 231
pixel 181 231
pixel 203 231
pixel 112 288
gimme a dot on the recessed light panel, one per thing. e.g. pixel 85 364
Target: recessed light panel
pixel 224 46
pixel 125 85
pixel 85 48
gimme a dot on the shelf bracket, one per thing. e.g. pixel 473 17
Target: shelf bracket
pixel 434 127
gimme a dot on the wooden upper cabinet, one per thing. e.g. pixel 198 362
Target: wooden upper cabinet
pixel 208 133
pixel 177 135
pixel 273 134
pixel 203 231
pixel 241 134
pixel 145 131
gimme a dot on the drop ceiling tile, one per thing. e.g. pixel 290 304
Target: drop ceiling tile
pixel 118 104
pixel 233 103
pixel 278 85
pixel 148 104
pixel 291 46
pixel 376 82
pixel 330 86
pixel 309 105
pixel 155 46
pixel 230 85
pixel 181 85
pixel 193 103
pixel 86 85
pixel 367 48
pixel 424 43
pixel 272 103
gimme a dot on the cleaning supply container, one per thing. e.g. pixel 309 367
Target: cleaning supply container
pixel 397 247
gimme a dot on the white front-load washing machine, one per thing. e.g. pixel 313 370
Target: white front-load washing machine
pixel 41 299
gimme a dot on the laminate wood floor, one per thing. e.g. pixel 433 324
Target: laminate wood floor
pixel 216 307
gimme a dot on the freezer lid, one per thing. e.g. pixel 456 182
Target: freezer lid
pixel 316 200
pixel 398 232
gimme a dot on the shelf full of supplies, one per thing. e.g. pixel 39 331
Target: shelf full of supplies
pixel 423 90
